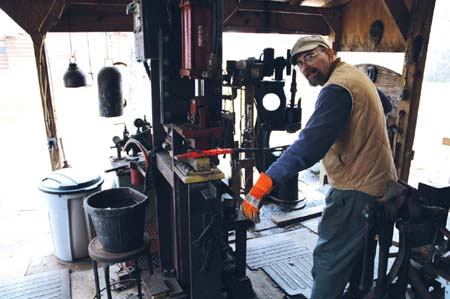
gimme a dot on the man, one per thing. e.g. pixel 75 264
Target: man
pixel 348 132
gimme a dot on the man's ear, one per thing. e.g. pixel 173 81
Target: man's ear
pixel 330 54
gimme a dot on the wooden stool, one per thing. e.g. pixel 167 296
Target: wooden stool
pixel 98 254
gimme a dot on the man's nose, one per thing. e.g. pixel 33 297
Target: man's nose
pixel 304 69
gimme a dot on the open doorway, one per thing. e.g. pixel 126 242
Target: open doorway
pixel 24 230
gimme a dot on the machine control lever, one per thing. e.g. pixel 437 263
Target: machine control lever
pixel 223 151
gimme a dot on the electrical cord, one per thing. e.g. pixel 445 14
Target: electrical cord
pixel 52 6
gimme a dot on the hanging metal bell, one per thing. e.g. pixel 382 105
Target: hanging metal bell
pixel 74 77
pixel 110 92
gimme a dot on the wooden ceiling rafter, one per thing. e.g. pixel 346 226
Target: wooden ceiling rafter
pixel 400 14
pixel 281 8
pixel 243 13
pixel 229 9
pixel 253 22
pixel 102 15
pixel 87 16
pixel 334 21
pixel 325 3
pixel 295 2
pixel 122 3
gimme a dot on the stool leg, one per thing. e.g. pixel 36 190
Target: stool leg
pixel 107 283
pixel 97 284
pixel 150 262
pixel 138 277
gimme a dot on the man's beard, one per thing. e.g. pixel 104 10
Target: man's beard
pixel 317 79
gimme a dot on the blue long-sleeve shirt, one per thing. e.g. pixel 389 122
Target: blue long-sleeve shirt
pixel 332 110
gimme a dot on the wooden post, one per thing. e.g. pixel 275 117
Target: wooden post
pixel 47 101
pixel 421 15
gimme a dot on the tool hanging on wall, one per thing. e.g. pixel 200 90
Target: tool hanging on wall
pixel 110 88
pixel 74 76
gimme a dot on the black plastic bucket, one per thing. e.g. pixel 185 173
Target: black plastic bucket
pixel 118 216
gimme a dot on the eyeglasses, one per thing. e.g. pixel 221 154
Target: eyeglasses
pixel 307 59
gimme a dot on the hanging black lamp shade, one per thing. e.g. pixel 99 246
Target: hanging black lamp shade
pixel 74 77
pixel 110 92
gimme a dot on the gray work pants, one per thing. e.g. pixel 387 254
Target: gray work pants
pixel 340 243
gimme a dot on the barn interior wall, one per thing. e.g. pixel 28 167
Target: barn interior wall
pixel 357 19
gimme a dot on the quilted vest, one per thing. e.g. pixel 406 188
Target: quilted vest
pixel 361 158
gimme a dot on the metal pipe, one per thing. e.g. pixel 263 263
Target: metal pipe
pixel 140 146
pixel 199 87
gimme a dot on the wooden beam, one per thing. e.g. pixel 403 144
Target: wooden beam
pixel 326 3
pixel 101 18
pixel 415 58
pixel 229 8
pixel 408 3
pixel 47 102
pixel 295 2
pixel 334 20
pixel 254 22
pixel 400 13
pixel 251 9
pixel 281 8
pixel 122 3
pixel 35 17
pixel 333 17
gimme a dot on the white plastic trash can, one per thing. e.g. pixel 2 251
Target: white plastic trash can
pixel 65 191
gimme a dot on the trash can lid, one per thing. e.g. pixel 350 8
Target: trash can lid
pixel 70 180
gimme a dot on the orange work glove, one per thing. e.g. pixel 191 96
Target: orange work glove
pixel 253 200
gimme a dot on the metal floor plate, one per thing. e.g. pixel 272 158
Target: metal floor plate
pixel 48 285
pixel 293 275
pixel 273 252
pixel 285 260
pixel 312 224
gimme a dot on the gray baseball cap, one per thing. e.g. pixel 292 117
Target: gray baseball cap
pixel 307 43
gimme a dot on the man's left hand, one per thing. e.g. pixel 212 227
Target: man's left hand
pixel 254 199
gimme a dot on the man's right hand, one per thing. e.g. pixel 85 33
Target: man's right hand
pixel 254 199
